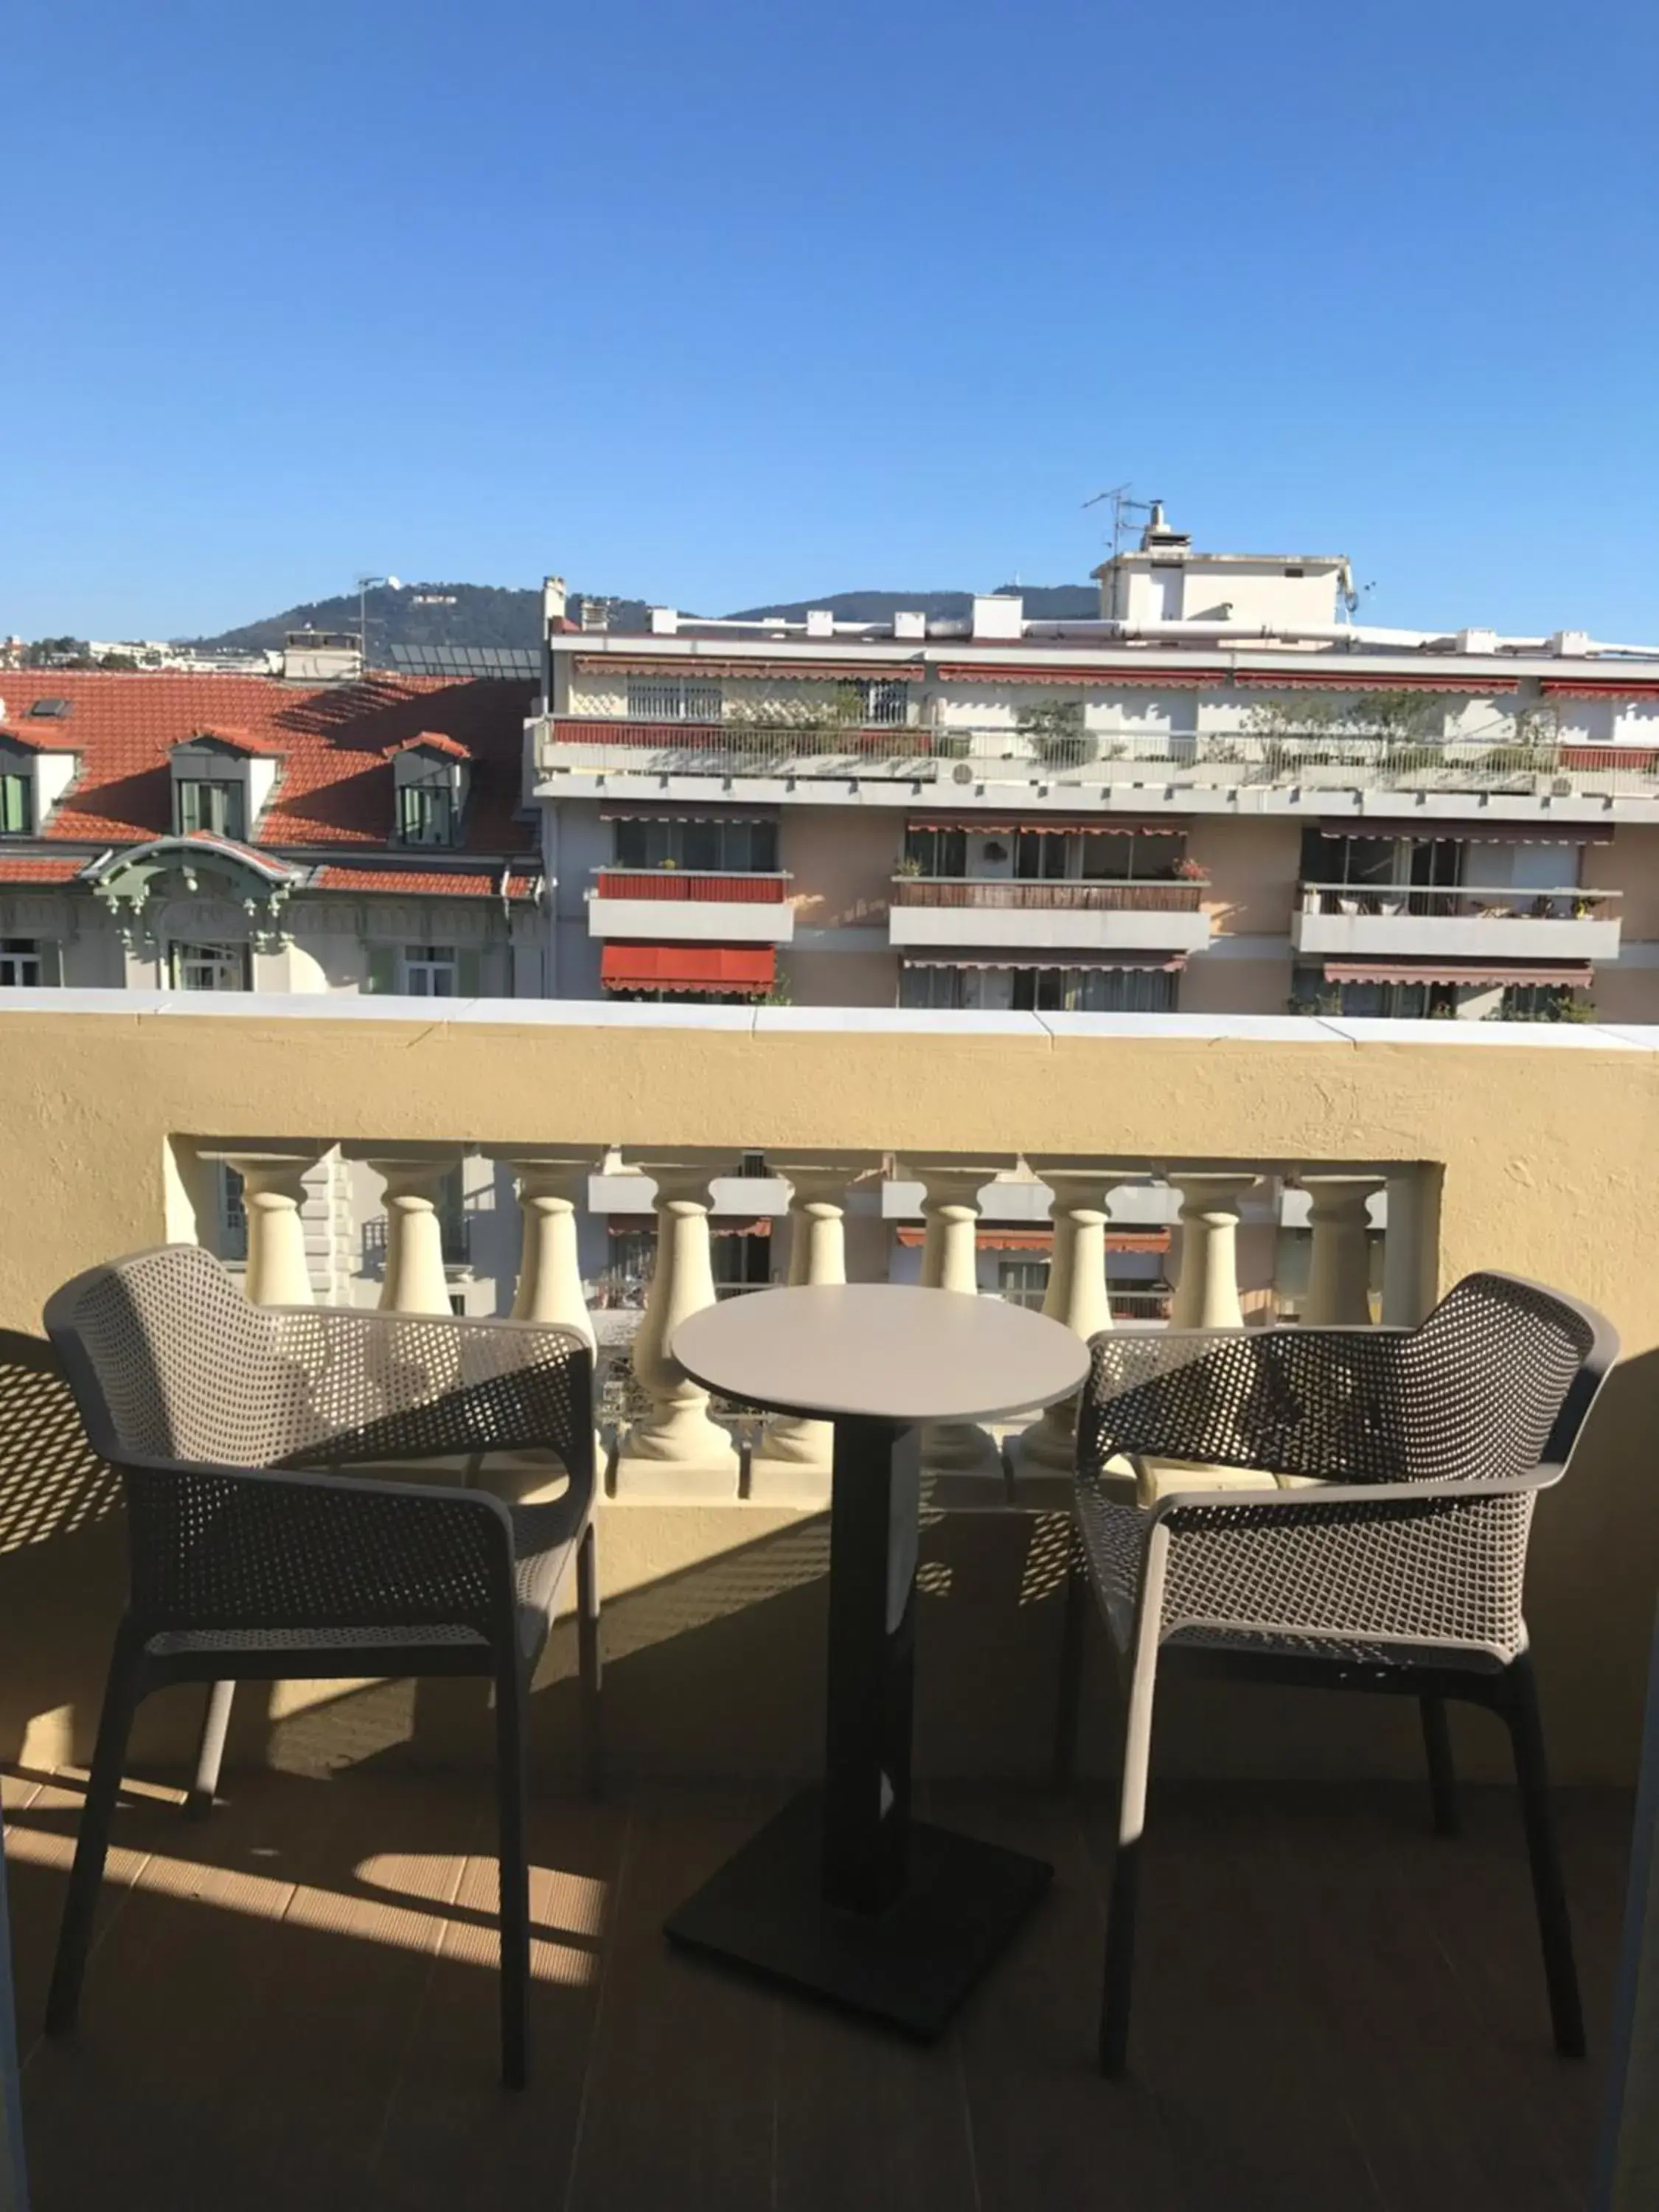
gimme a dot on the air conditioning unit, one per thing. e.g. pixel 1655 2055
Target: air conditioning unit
pixel 1562 787
pixel 963 772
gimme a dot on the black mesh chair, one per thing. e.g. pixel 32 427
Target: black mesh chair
pixel 243 1567
pixel 1393 1559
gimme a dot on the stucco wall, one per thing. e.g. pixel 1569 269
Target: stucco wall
pixel 715 1615
pixel 1252 869
pixel 842 859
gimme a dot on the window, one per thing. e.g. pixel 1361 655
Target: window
pixel 426 813
pixel 1042 990
pixel 730 847
pixel 211 804
pixel 936 852
pixel 430 971
pixel 883 703
pixel 17 813
pixel 673 699
pixel 233 1215
pixel 742 1261
pixel 210 967
pixel 1022 1282
pixel 1539 1002
pixel 20 964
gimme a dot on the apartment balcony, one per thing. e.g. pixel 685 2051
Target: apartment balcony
pixel 1211 771
pixel 1349 921
pixel 1335 2006
pixel 690 905
pixel 930 911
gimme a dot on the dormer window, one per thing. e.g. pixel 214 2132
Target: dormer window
pixel 210 788
pixel 431 778
pixel 16 795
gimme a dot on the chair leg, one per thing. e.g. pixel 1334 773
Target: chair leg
pixel 122 1692
pixel 514 1872
pixel 209 1754
pixel 1073 1625
pixel 1442 1772
pixel 1124 1901
pixel 590 1661
pixel 1520 1711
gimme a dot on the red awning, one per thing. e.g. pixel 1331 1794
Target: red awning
pixel 1169 963
pixel 1468 833
pixel 1329 677
pixel 700 813
pixel 711 968
pixel 1575 976
pixel 1042 1240
pixel 1598 687
pixel 1091 825
pixel 695 667
pixel 1160 679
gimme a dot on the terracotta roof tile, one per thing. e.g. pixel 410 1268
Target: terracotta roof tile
pixel 427 883
pixel 335 782
pixel 40 868
pixel 435 741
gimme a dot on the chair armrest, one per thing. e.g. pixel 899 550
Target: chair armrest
pixel 367 1386
pixel 246 1547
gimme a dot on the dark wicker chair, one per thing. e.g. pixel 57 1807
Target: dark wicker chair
pixel 244 1568
pixel 1396 1564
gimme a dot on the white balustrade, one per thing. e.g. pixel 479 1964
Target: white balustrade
pixel 551 1187
pixel 1206 1288
pixel 1339 1266
pixel 676 1450
pixel 1078 1297
pixel 414 1281
pixel 273 1195
pixel 949 1261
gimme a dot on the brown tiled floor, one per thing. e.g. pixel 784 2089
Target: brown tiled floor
pixel 294 2006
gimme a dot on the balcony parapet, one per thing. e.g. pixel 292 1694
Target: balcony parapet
pixel 1466 920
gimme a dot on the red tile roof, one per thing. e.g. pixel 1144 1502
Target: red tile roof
pixel 335 782
pixel 40 868
pixel 435 741
pixel 426 883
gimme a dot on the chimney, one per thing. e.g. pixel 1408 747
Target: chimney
pixel 820 622
pixel 1158 537
pixel 552 605
pixel 596 614
pixel 999 615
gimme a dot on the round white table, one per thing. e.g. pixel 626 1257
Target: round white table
pixel 843 1894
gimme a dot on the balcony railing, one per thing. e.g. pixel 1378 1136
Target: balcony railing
pixel 932 752
pixel 1004 894
pixel 1460 902
pixel 1466 920
pixel 707 886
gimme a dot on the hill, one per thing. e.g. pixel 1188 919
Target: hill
pixel 486 614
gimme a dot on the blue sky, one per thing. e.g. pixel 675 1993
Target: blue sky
pixel 720 302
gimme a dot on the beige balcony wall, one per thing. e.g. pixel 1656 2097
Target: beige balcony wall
pixel 842 860
pixel 841 978
pixel 1253 868
pixel 1542 1148
pixel 1631 865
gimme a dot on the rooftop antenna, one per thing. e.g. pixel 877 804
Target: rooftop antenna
pixel 1124 506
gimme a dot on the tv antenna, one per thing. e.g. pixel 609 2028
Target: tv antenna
pixel 1124 506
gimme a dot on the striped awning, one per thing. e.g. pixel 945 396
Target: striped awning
pixel 1092 678
pixel 1598 687
pixel 690 968
pixel 643 813
pixel 1168 963
pixel 1571 974
pixel 1469 833
pixel 1329 678
pixel 1090 825
pixel 696 669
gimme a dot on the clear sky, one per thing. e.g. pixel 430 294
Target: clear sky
pixel 717 302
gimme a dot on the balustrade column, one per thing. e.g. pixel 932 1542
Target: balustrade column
pixel 550 1264
pixel 792 1462
pixel 414 1281
pixel 1338 1275
pixel 1409 1270
pixel 676 1449
pixel 273 1194
pixel 1079 1298
pixel 1207 1289
pixel 949 1261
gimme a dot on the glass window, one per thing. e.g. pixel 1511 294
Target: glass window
pixel 19 963
pixel 937 852
pixel 426 813
pixel 737 849
pixel 1022 1282
pixel 212 804
pixel 233 1215
pixel 210 967
pixel 884 703
pixel 430 971
pixel 17 814
pixel 671 699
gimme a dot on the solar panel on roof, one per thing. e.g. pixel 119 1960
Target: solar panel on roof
pixel 515 661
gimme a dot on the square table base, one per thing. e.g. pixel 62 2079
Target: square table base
pixel 910 1965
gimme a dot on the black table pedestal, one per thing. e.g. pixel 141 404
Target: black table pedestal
pixel 843 1894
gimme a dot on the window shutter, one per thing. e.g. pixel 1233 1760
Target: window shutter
pixel 382 968
pixel 468 975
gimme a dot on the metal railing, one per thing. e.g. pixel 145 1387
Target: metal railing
pixel 1459 902
pixel 710 885
pixel 1012 893
pixel 930 751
